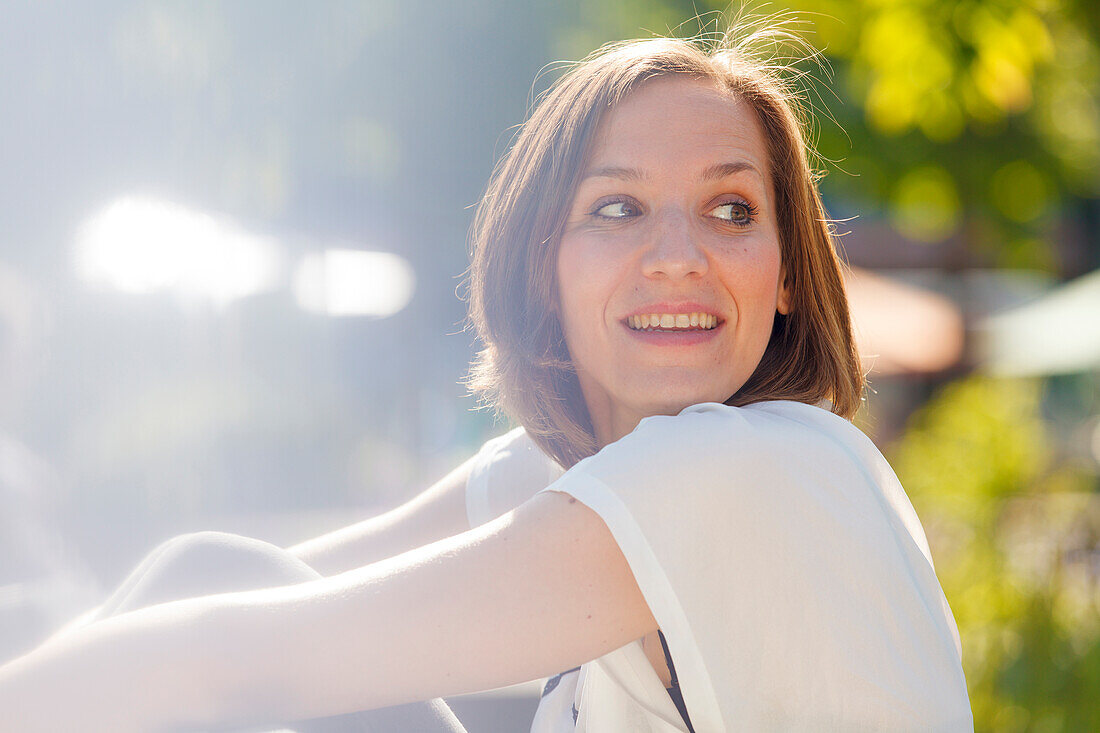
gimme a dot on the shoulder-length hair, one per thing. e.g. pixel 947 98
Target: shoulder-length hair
pixel 524 368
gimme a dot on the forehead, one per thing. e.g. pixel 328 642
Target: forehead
pixel 679 122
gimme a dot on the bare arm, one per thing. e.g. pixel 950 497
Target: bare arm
pixel 438 512
pixel 538 590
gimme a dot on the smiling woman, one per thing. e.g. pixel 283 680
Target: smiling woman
pixel 669 234
pixel 686 522
pixel 655 245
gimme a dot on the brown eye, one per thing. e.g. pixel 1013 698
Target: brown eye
pixel 733 212
pixel 617 210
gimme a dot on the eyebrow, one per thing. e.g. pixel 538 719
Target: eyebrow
pixel 713 173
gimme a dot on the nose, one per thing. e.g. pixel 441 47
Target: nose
pixel 673 249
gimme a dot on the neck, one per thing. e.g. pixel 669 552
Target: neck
pixel 614 427
pixel 611 421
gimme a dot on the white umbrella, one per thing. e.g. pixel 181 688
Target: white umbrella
pixel 1057 334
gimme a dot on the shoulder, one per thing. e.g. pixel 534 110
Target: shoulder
pixel 504 442
pixel 513 448
pixel 711 430
pixel 789 447
pixel 507 471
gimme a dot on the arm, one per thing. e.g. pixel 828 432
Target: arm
pixel 438 512
pixel 541 589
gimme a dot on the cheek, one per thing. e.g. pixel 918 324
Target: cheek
pixel 571 297
pixel 567 273
pixel 751 276
pixel 581 285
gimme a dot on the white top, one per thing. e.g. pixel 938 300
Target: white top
pixel 782 561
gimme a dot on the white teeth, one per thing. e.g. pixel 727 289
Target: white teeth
pixel 668 321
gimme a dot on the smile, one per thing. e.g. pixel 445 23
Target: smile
pixel 672 322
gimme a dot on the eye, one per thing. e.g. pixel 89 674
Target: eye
pixel 734 212
pixel 616 210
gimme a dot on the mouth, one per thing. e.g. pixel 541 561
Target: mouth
pixel 672 322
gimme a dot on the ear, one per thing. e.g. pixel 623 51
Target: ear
pixel 783 299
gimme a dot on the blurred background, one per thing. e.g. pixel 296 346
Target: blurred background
pixel 232 237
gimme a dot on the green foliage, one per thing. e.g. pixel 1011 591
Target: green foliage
pixel 1012 528
pixel 1002 95
pixel 978 117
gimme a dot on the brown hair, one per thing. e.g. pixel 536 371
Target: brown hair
pixel 524 368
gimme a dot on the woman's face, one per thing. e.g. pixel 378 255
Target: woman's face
pixel 669 273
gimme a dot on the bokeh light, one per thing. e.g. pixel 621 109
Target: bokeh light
pixel 1020 191
pixel 144 245
pixel 345 282
pixel 925 205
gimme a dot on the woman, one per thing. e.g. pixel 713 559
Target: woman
pixel 663 313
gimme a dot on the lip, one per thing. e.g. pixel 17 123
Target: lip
pixel 675 338
pixel 670 338
pixel 674 309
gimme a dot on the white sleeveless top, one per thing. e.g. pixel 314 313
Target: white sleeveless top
pixel 782 561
